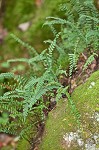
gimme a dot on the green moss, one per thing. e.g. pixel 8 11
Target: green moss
pixel 62 121
pixel 87 94
pixel 23 144
pixel 7 148
pixel 57 124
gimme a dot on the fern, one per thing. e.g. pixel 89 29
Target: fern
pixel 40 89
pixel 89 61
pixel 54 31
pixel 81 23
pixel 81 18
pixel 73 63
pixel 23 43
pixel 61 91
pixel 74 109
pixel 49 57
pixel 23 92
pixel 73 59
pixel 30 61
pixel 6 75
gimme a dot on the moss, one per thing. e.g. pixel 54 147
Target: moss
pixel 61 121
pixel 7 148
pixel 23 144
pixel 87 94
pixel 57 123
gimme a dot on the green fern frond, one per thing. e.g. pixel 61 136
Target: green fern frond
pixel 48 62
pixel 73 63
pixel 74 109
pixel 30 61
pixel 73 58
pixel 89 61
pixel 61 91
pixel 6 76
pixel 29 47
pixel 53 30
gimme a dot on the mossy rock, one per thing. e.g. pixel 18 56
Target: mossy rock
pixel 62 131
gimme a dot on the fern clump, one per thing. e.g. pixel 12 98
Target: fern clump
pixel 79 30
pixel 23 94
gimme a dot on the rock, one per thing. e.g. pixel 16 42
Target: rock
pixel 62 131
pixel 24 26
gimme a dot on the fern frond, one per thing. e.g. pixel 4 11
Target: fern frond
pixel 48 62
pixel 30 61
pixel 53 30
pixel 29 47
pixel 6 76
pixel 89 61
pixel 61 91
pixel 73 58
pixel 74 109
pixel 73 63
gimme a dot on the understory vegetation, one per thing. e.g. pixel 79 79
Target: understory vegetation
pixel 26 98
